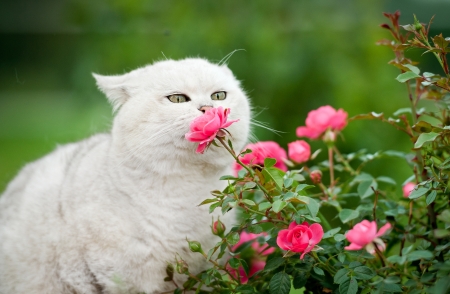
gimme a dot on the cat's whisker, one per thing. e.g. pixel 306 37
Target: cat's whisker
pixel 264 126
pixel 228 56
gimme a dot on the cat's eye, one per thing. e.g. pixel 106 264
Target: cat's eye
pixel 219 95
pixel 178 98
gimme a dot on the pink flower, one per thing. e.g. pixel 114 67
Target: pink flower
pixel 255 266
pixel 408 188
pixel 260 151
pixel 322 119
pixel 206 127
pixel 299 151
pixel 364 234
pixel 247 237
pixel 300 238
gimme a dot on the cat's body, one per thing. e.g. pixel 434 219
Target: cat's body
pixel 106 214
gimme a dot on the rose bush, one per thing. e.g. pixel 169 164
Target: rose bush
pixel 314 229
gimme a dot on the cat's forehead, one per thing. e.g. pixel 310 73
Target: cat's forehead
pixel 188 74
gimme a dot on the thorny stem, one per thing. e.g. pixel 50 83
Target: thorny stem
pixel 252 173
pixel 438 56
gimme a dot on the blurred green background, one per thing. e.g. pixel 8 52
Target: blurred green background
pixel 299 55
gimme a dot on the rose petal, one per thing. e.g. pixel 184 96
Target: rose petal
pixel 383 229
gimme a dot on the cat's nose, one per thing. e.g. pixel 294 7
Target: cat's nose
pixel 205 108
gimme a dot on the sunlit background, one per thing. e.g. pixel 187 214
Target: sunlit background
pixel 298 55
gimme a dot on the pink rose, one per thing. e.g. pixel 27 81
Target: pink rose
pixel 300 238
pixel 255 266
pixel 260 151
pixel 322 119
pixel 364 235
pixel 408 188
pixel 247 237
pixel 206 127
pixel 299 151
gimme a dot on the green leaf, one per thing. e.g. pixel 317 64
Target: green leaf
pixel 248 202
pixel 255 229
pixel 288 182
pixel 341 257
pixel 418 192
pixel 234 263
pixel 341 276
pixel 269 162
pixel 339 237
pixel 278 205
pixel 313 207
pixel 299 280
pixel 228 177
pixel 349 287
pixel 365 188
pixel 245 289
pixel 249 185
pixel 233 238
pixel 347 215
pixel 419 254
pixel 275 175
pixel 245 266
pixel 273 263
pixel 302 187
pixel 331 233
pixel 444 216
pixel 206 201
pixel 424 138
pixel 413 68
pixel 280 283
pixel 407 76
pixel 318 271
pixel 364 273
pixel 431 197
pixel 264 206
pixel 393 288
pixel 387 180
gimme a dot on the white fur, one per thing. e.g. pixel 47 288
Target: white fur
pixel 106 214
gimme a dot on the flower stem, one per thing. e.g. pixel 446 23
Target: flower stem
pixel 330 160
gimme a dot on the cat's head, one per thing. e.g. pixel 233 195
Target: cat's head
pixel 155 104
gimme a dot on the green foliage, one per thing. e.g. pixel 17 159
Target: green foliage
pixel 412 258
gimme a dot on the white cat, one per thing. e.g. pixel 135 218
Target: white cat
pixel 106 214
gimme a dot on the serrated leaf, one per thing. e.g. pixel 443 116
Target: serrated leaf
pixel 347 215
pixel 318 271
pixel 392 288
pixel 249 185
pixel 349 287
pixel 341 257
pixel 407 76
pixel 419 192
pixel 364 273
pixel 302 187
pixel 275 175
pixel 278 205
pixel 206 201
pixel 244 289
pixel 413 68
pixel 339 237
pixel 331 233
pixel 264 206
pixel 280 283
pixel 273 263
pixel 424 138
pixel 234 263
pixel 288 182
pixel 431 197
pixel 402 111
pixel 419 254
pixel 341 276
pixel 365 188
pixel 248 202
pixel 255 229
pixel 269 162
pixel 299 280
pixel 233 238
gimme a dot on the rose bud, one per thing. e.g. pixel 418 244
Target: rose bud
pixel 218 228
pixel 182 267
pixel 316 176
pixel 195 246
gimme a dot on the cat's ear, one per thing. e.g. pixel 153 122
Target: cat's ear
pixel 115 89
